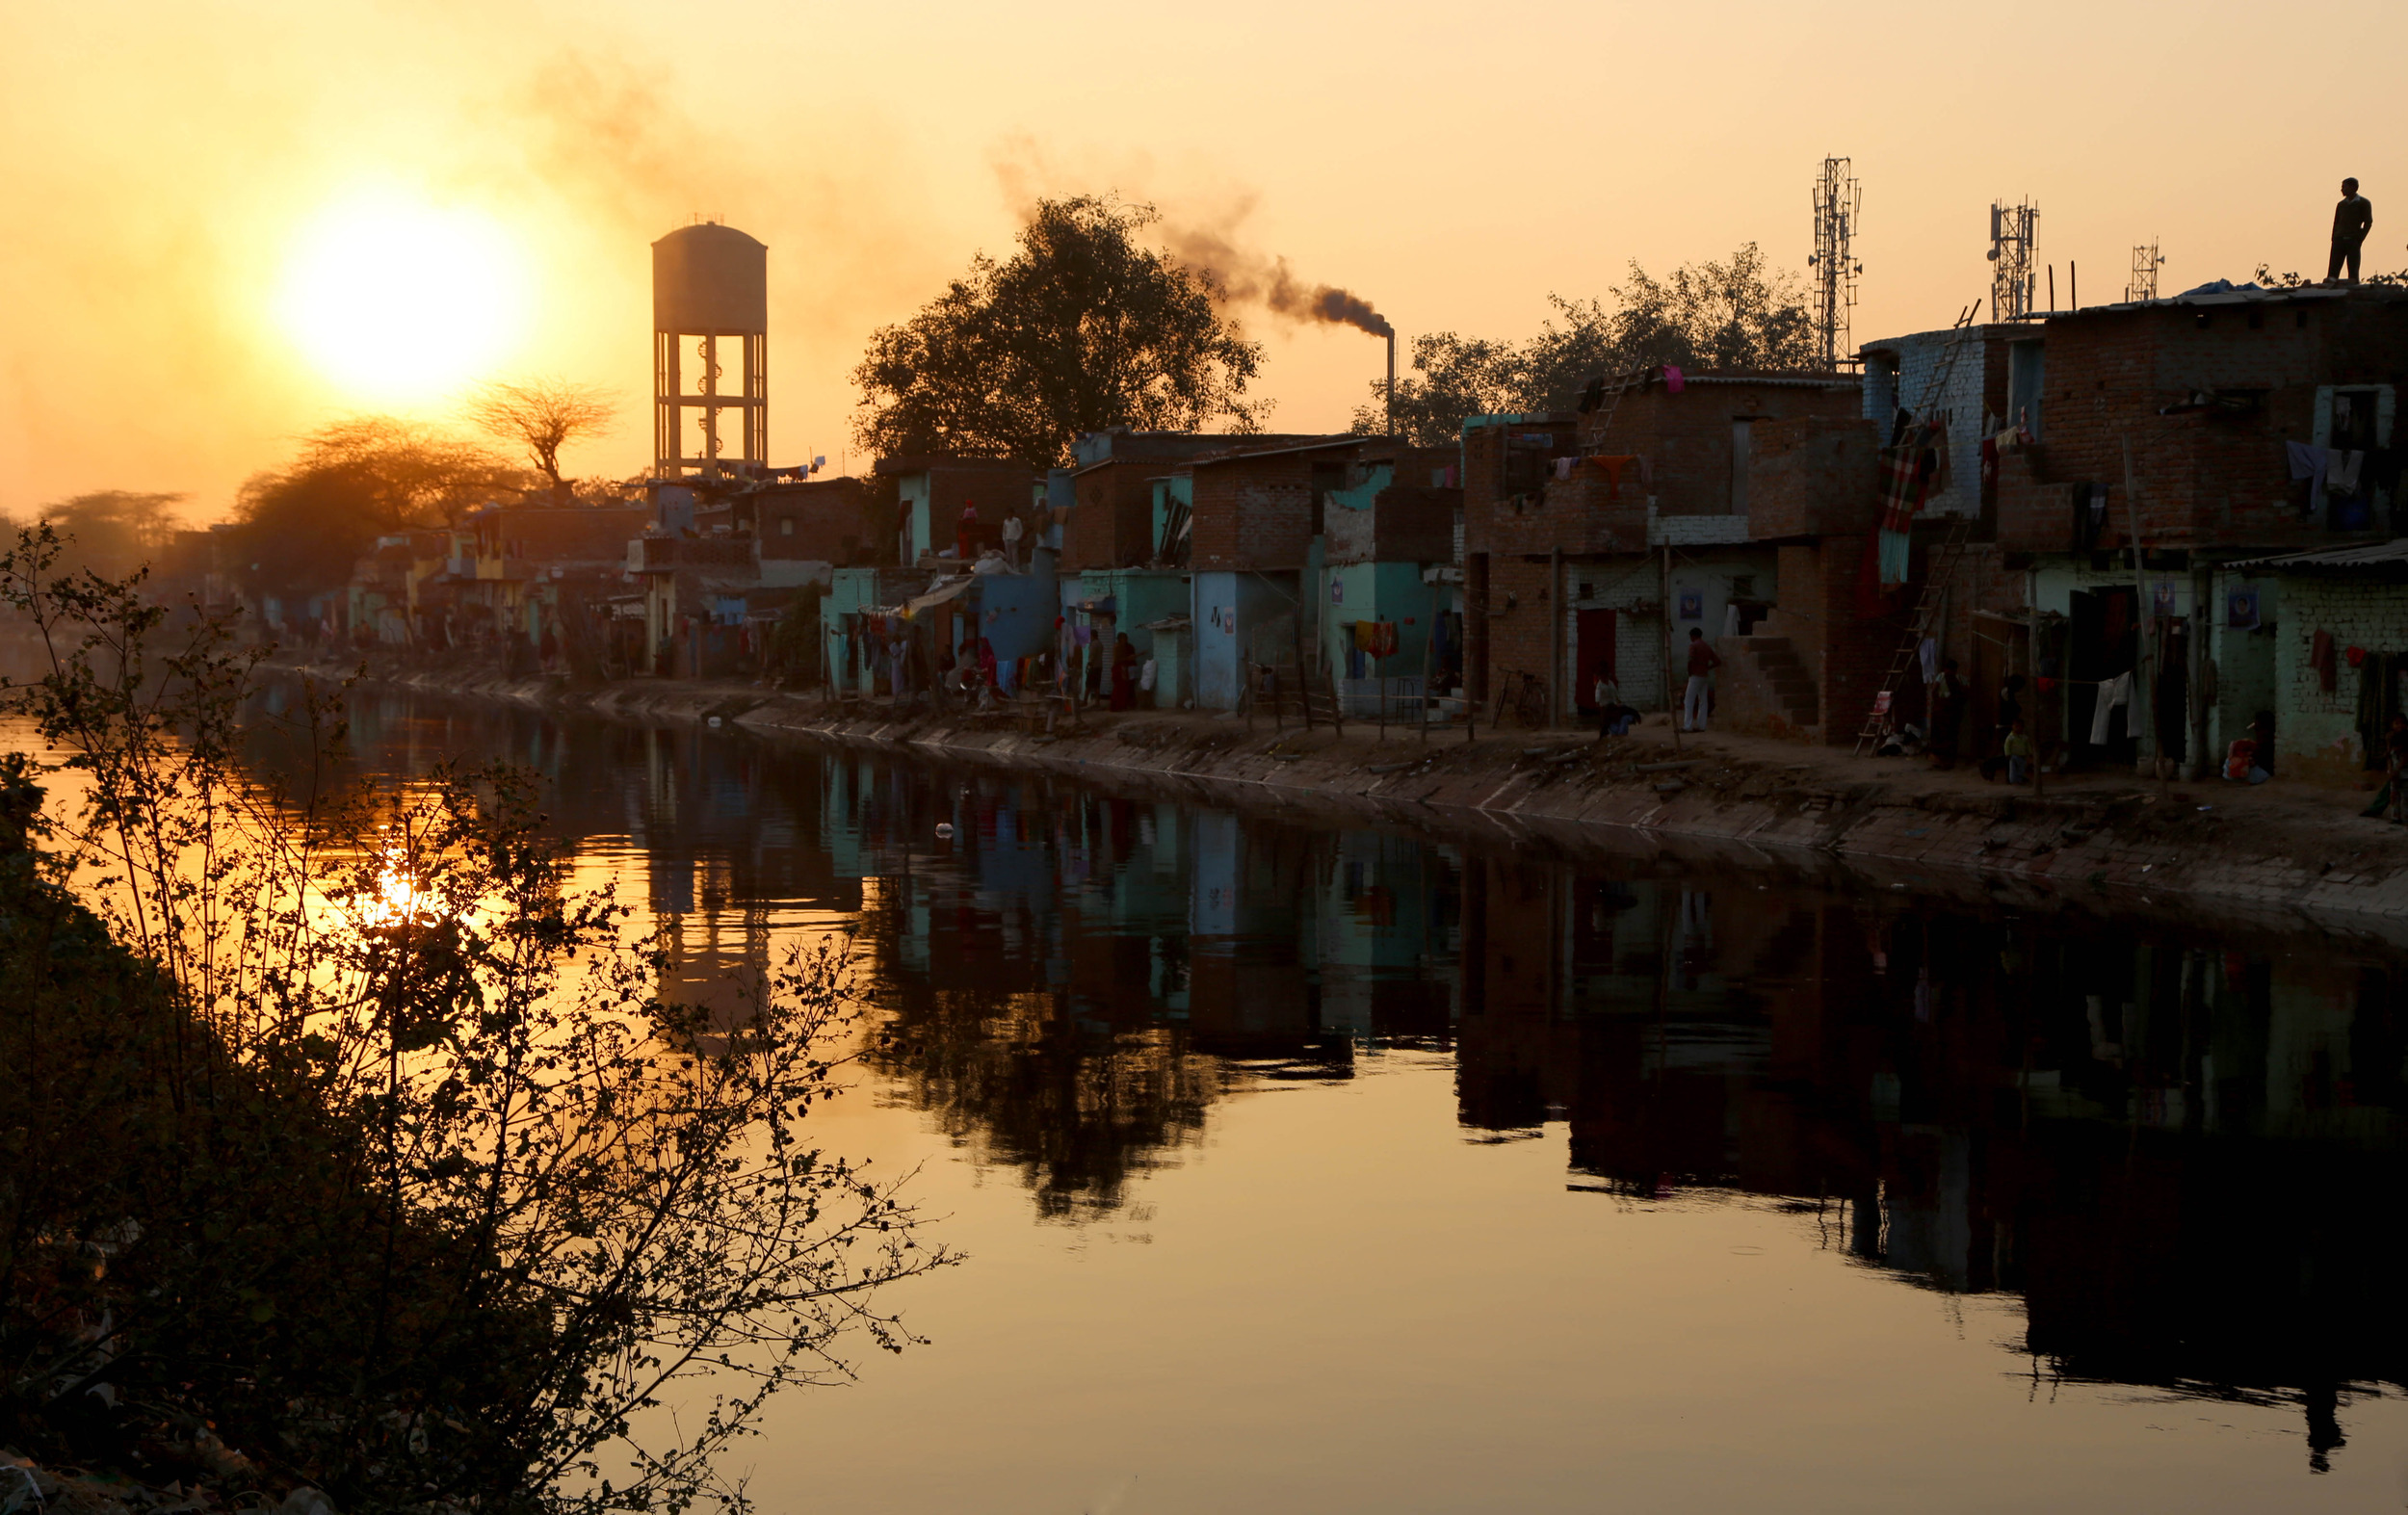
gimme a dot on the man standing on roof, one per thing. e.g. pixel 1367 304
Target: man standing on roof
pixel 2351 220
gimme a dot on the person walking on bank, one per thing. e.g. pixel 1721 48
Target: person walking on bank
pixel 1703 659
pixel 1012 529
pixel 2352 218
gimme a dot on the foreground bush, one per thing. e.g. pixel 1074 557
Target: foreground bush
pixel 349 1144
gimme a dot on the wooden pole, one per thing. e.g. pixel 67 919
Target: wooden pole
pixel 2144 691
pixel 1424 723
pixel 2032 660
pixel 1663 582
pixel 1554 637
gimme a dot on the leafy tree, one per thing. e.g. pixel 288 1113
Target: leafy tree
pixel 113 532
pixel 541 417
pixel 1733 314
pixel 1081 328
pixel 353 482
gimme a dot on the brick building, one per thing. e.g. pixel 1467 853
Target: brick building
pixel 2248 423
pixel 1253 557
pixel 1119 481
pixel 932 492
pixel 828 523
pixel 1591 541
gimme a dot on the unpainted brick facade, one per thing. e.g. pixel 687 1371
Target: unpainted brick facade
pixel 1257 510
pixel 2239 380
pixel 1111 526
pixel 824 520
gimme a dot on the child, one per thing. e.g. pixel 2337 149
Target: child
pixel 2018 749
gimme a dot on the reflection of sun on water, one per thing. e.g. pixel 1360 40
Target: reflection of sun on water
pixel 399 300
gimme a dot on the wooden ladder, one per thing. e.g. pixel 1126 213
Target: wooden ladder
pixel 1591 432
pixel 1938 566
pixel 1938 569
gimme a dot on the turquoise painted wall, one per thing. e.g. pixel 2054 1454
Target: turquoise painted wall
pixel 1392 591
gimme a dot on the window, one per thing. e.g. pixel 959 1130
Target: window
pixel 2355 420
pixel 2026 376
pixel 785 526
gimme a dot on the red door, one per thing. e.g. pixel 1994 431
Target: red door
pixel 1592 655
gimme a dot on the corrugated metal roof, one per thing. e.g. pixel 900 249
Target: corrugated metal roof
pixel 1240 455
pixel 2390 556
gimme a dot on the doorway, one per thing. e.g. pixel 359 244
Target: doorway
pixel 1592 655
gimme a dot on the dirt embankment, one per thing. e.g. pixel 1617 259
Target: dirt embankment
pixel 2277 856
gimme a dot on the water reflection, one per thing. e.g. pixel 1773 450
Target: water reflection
pixel 2183 1153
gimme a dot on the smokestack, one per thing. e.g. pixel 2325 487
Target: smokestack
pixel 1391 381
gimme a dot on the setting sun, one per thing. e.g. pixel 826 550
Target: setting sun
pixel 399 300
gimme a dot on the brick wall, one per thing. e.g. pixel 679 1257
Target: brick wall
pixel 1812 475
pixel 1689 438
pixel 1960 374
pixel 1521 607
pixel 1111 526
pixel 834 521
pixel 1256 513
pixel 1505 469
pixel 1407 523
pixel 1584 513
pixel 994 487
pixel 543 535
pixel 2316 733
pixel 2206 479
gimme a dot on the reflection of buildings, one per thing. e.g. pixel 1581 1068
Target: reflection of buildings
pixel 2182 1154
pixel 2187 1159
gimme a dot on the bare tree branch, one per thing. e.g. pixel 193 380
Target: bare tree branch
pixel 543 416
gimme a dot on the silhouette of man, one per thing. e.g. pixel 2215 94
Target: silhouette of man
pixel 2351 219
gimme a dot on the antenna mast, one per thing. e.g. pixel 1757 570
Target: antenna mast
pixel 2010 253
pixel 2144 284
pixel 1837 202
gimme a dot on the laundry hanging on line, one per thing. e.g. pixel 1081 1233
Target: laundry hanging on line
pixel 2114 693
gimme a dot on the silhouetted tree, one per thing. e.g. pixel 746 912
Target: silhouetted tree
pixel 112 532
pixel 302 528
pixel 543 416
pixel 1733 314
pixel 1081 330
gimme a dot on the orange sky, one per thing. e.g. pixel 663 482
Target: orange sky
pixel 1451 164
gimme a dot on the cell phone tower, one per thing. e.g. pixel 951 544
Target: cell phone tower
pixel 2010 256
pixel 2144 283
pixel 1838 202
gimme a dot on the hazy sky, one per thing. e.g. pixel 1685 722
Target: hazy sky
pixel 169 165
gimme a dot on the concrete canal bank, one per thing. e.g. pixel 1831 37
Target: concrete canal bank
pixel 2274 855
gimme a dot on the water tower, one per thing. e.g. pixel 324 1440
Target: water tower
pixel 710 310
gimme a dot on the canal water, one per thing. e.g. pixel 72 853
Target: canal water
pixel 1304 1168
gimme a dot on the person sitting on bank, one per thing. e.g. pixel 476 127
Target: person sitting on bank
pixel 1614 718
pixel 1697 700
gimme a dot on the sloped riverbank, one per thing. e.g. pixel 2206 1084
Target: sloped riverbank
pixel 2276 856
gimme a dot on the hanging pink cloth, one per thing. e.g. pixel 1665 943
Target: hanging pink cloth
pixel 1673 382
